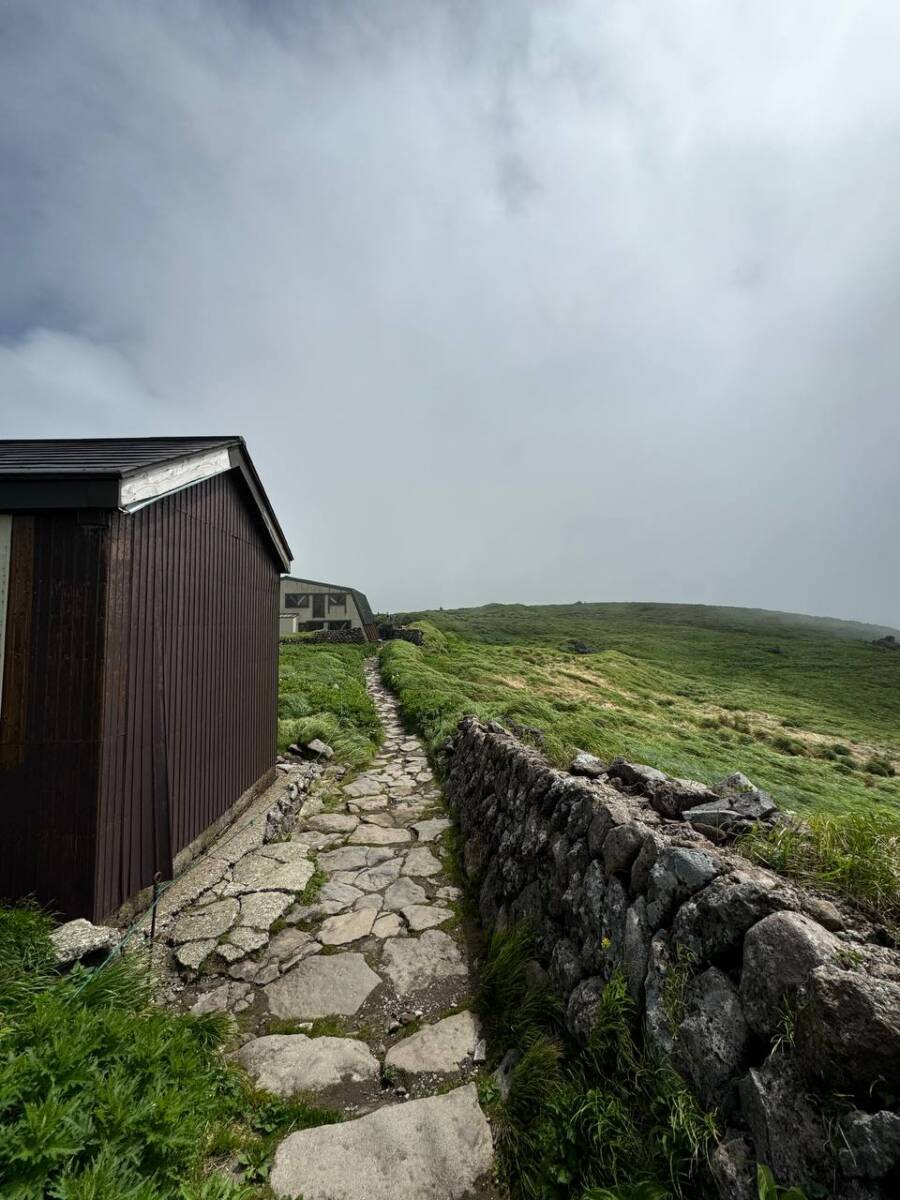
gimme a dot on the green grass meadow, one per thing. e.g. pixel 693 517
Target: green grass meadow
pixel 808 708
pixel 322 693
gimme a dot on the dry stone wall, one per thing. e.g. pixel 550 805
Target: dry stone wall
pixel 779 1008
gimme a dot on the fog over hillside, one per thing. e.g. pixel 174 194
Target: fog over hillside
pixel 517 301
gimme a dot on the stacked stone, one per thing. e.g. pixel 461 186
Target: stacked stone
pixel 624 877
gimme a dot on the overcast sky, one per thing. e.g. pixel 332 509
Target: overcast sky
pixel 512 301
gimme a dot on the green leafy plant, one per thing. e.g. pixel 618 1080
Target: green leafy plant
pixel 768 1189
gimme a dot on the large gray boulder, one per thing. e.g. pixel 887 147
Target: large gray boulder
pixel 714 922
pixel 870 1145
pixel 713 1037
pixel 678 873
pixel 779 953
pixel 787 1129
pixel 848 1031
pixel 438 1148
pixel 80 939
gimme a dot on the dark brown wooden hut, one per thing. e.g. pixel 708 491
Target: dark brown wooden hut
pixel 138 658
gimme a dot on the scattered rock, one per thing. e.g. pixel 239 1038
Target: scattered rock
pixel 319 748
pixel 290 1063
pixel 441 1047
pixel 502 1077
pixel 587 764
pixel 79 939
pixel 733 784
pixel 438 1148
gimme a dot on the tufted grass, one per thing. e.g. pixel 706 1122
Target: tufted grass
pixel 322 693
pixel 599 1121
pixel 855 855
pixel 106 1096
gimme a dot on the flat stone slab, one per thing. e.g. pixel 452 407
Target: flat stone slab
pixel 422 862
pixel 291 1062
pixel 210 921
pixel 245 939
pixel 377 835
pixel 348 927
pixel 388 926
pixel 428 831
pixel 412 964
pixel 222 998
pixel 425 916
pixel 376 878
pixel 192 954
pixel 403 893
pixel 332 823
pixel 260 909
pixel 364 785
pixel 339 893
pixel 432 1149
pixel 256 873
pixel 441 1047
pixel 368 804
pixel 323 986
pixel 347 858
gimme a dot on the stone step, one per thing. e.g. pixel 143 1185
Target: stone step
pixel 438 1148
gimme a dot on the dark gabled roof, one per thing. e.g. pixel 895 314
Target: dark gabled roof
pixel 115 457
pixel 39 473
pixel 362 604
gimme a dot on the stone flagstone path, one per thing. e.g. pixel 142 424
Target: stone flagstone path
pixel 339 951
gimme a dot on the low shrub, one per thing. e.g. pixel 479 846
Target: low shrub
pixel 104 1095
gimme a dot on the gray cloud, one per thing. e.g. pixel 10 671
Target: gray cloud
pixel 514 301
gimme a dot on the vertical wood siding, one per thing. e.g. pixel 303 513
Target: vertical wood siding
pixel 189 712
pixel 49 725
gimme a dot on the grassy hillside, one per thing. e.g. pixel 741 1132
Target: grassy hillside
pixel 807 707
pixel 322 693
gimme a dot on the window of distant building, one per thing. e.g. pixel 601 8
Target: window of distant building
pixel 337 600
pixel 296 600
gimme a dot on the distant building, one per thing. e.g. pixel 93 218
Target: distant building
pixel 138 668
pixel 308 605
